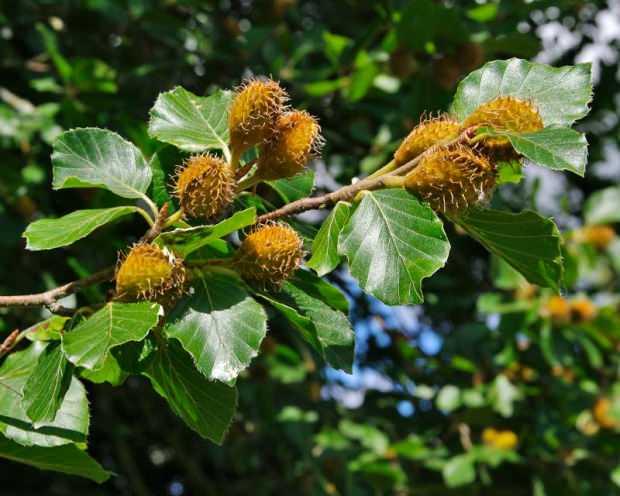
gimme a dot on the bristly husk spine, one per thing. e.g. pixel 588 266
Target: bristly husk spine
pixel 254 109
pixel 452 178
pixel 429 132
pixel 150 273
pixel 205 185
pixel 269 255
pixel 295 139
pixel 505 113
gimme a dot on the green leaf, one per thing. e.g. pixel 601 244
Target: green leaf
pixel 98 158
pixel 325 256
pixel 187 240
pixel 286 306
pixel 67 459
pixel 615 475
pixel 47 385
pixel 89 343
pixel 159 185
pixel 528 242
pixel 459 471
pixel 190 122
pixel 502 396
pixel 46 234
pixel 294 188
pixel 206 406
pixel 392 242
pixel 314 308
pixel 220 325
pixel 110 372
pixel 557 148
pixel 319 288
pixel 603 206
pixel 333 328
pixel 71 421
pixel 561 95
pixel 509 172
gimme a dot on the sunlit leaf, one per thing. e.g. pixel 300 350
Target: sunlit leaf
pixel 392 242
pixel 46 234
pixel 98 158
pixel 88 344
pixel 220 325
pixel 190 122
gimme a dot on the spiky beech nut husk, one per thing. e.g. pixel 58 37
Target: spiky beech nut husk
pixel 452 179
pixel 295 140
pixel 149 272
pixel 253 111
pixel 269 255
pixel 505 113
pixel 429 132
pixel 205 185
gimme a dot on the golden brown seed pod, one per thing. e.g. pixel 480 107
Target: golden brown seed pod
pixel 505 113
pixel 253 111
pixel 452 179
pixel 149 273
pixel 429 132
pixel 557 308
pixel 205 185
pixel 601 411
pixel 582 310
pixel 269 255
pixel 598 236
pixel 505 440
pixel 296 139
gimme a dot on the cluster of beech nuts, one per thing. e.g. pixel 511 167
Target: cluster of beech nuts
pixel 206 185
pixel 454 177
pixel 450 177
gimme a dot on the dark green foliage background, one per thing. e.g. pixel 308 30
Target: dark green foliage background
pixel 368 70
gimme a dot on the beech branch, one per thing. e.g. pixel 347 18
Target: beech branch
pixel 50 298
pixel 348 192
